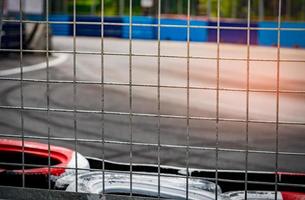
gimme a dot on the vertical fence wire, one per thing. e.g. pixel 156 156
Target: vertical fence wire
pixel 188 97
pixel 217 95
pixel 247 97
pixel 277 94
pixel 48 92
pixel 103 93
pixel 130 95
pixel 75 93
pixel 159 98
pixel 21 88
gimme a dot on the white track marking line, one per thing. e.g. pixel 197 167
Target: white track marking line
pixel 60 58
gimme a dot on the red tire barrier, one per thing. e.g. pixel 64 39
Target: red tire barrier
pixel 293 196
pixel 36 154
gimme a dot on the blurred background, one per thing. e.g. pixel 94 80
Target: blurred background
pixel 260 9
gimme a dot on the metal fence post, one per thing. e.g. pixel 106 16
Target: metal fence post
pixel 93 7
pixel 261 10
pixel 209 8
pixel 121 7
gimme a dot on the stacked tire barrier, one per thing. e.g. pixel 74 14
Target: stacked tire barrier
pixel 38 165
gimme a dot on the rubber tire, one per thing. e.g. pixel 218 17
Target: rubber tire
pixel 39 177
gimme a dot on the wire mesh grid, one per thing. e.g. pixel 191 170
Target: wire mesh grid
pixel 131 114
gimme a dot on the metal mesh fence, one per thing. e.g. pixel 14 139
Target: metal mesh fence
pixel 130 85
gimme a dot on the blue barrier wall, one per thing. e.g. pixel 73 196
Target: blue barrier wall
pixel 61 29
pixel 94 30
pixel 289 38
pixel 113 30
pixel 140 32
pixel 180 33
pixel 88 29
pixel 147 29
pixel 57 29
pixel 231 35
pixel 83 29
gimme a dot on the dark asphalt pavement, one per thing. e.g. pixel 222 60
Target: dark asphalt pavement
pixel 173 131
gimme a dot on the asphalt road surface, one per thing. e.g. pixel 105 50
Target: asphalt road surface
pixel 173 130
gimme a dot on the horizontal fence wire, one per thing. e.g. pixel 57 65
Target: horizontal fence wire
pixel 203 148
pixel 62 110
pixel 147 85
pixel 147 55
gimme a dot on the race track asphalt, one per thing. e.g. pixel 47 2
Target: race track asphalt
pixel 231 139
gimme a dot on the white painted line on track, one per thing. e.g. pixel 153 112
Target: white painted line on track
pixel 60 58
